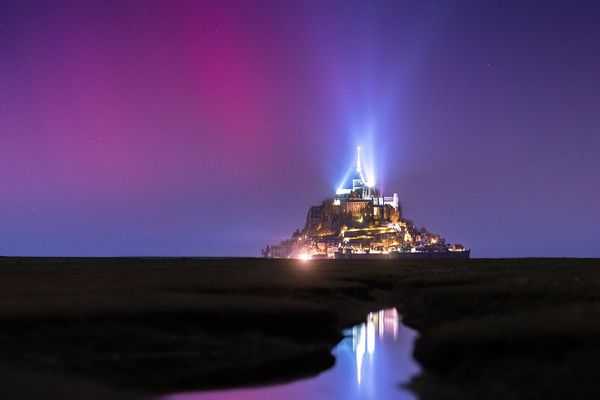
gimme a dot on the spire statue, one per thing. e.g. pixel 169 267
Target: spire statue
pixel 358 166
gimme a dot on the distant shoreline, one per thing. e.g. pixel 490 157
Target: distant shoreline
pixel 50 258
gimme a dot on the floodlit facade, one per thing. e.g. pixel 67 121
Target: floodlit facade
pixel 359 222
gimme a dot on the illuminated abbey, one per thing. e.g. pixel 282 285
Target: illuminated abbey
pixel 359 222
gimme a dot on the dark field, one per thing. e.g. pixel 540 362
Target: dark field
pixel 105 328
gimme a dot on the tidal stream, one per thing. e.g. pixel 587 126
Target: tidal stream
pixel 373 361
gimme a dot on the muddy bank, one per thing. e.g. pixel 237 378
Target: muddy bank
pixel 500 329
pixel 490 328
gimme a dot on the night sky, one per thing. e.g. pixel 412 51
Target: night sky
pixel 208 128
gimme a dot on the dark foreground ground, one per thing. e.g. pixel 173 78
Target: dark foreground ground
pixel 125 328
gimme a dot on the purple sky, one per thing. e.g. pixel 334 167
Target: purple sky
pixel 209 128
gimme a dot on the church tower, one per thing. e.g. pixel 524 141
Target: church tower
pixel 358 181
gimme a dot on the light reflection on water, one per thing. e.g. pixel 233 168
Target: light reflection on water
pixel 372 362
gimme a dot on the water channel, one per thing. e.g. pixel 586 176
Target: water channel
pixel 373 361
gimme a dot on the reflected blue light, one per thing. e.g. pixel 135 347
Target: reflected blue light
pixel 372 362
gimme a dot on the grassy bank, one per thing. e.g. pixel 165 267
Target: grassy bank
pixel 517 328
